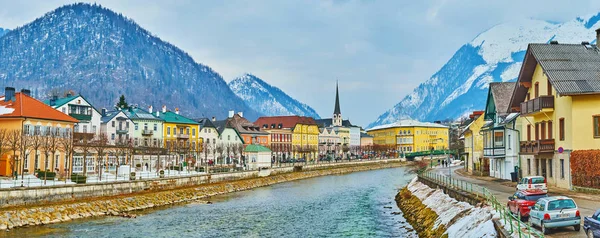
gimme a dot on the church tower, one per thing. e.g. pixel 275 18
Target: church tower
pixel 337 114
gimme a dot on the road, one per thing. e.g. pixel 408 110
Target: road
pixel 502 192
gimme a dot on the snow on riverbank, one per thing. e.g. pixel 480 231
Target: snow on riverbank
pixel 461 219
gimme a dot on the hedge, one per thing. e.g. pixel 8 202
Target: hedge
pixel 585 168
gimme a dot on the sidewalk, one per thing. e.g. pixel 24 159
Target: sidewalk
pixel 552 190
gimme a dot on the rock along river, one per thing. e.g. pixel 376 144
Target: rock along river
pixel 352 205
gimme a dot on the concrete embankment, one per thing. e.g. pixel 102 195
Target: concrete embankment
pixel 432 213
pixel 18 216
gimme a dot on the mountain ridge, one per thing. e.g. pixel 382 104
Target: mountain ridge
pixel 494 55
pixel 267 99
pixel 87 48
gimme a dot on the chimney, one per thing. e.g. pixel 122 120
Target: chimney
pixel 157 113
pixel 150 109
pixel 164 109
pixel 53 100
pixel 231 113
pixel 241 114
pixel 69 94
pixel 177 110
pixel 9 94
pixel 103 112
pixel 556 42
pixel 214 119
pixel 26 92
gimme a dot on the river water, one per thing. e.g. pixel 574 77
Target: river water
pixel 353 205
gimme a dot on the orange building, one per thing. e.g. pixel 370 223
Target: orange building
pixel 252 134
pixel 27 121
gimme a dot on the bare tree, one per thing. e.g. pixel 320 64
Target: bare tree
pixel 100 145
pixel 85 146
pixel 46 144
pixel 206 149
pixel 14 143
pixel 3 140
pixel 24 150
pixel 36 145
pixel 66 144
pixel 220 149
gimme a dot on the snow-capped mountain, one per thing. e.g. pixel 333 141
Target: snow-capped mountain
pixel 102 54
pixel 495 55
pixel 268 100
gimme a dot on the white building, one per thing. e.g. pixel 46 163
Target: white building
pixel 257 156
pixel 209 134
pixel 117 127
pixel 354 136
pixel 79 108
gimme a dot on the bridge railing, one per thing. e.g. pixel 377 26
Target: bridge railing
pixel 512 223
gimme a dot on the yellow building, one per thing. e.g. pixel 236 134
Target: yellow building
pixel 181 136
pixel 411 136
pixel 473 144
pixel 304 134
pixel 558 97
pixel 41 128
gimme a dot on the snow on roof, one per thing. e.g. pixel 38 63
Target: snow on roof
pixel 408 123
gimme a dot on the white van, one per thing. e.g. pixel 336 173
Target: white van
pixel 532 182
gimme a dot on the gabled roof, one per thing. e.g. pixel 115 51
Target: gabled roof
pixel 62 101
pixel 112 114
pixel 243 126
pixel 171 117
pixel 328 122
pixel 24 106
pixel 572 69
pixel 222 124
pixel 286 121
pixel 256 148
pixel 205 122
pixel 135 113
pixel 501 92
pixel 365 135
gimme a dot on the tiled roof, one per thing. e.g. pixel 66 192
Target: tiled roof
pixel 61 101
pixel 286 121
pixel 408 123
pixel 112 114
pixel 243 126
pixel 501 92
pixel 172 117
pixel 571 68
pixel 26 106
pixel 205 122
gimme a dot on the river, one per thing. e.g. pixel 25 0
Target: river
pixel 352 205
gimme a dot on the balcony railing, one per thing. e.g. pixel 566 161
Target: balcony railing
pixel 496 151
pixel 81 117
pixel 122 131
pixel 537 147
pixel 147 132
pixel 537 104
pixel 183 136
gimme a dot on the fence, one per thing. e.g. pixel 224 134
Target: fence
pixel 512 223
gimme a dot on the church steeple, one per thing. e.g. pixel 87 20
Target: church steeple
pixel 337 113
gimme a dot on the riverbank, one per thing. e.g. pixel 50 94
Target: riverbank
pixel 21 216
pixel 435 214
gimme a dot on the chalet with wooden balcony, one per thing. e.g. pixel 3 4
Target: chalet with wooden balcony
pixel 500 135
pixel 79 108
pixel 558 96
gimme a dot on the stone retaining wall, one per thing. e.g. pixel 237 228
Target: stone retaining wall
pixel 36 195
pixel 155 196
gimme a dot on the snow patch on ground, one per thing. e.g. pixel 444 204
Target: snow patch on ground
pixel 476 222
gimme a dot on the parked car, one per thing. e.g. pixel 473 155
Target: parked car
pixel 553 212
pixel 532 182
pixel 591 225
pixel 520 202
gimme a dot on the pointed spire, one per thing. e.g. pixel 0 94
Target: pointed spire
pixel 337 110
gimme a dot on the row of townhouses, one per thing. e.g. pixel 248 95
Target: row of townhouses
pixel 149 138
pixel 545 124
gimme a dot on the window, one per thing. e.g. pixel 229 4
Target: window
pixel 498 138
pixel 561 129
pixel 228 137
pixel 145 126
pixel 168 130
pixel 528 96
pixel 135 126
pixel 550 130
pixel 194 132
pixel 155 127
pixel 543 130
pixel 537 89
pixel 84 128
pixel 596 124
pixel 187 131
pixel 56 162
pixel 549 88
pixel 126 124
pixel 26 129
pixel 550 167
pixel 537 131
pixel 112 136
pixel 37 164
pixel 537 167
pixel 509 142
pixel 94 129
pixel 76 128
pixel 180 131
pixel 113 123
pixel 562 168
pixel 529 132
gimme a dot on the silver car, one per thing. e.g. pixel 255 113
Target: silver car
pixel 553 212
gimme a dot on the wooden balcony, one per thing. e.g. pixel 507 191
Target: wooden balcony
pixel 537 147
pixel 537 105
pixel 495 151
pixel 183 136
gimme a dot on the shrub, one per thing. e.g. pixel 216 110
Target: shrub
pixel 585 168
pixel 46 174
pixel 78 178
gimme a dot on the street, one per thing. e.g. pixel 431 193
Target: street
pixel 587 206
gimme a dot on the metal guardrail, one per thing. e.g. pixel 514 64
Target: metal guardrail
pixel 513 224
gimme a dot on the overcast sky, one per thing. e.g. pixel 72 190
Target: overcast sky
pixel 378 50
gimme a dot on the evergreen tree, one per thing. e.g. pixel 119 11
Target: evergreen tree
pixel 122 103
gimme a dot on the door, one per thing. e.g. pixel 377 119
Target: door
pixel 543 167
